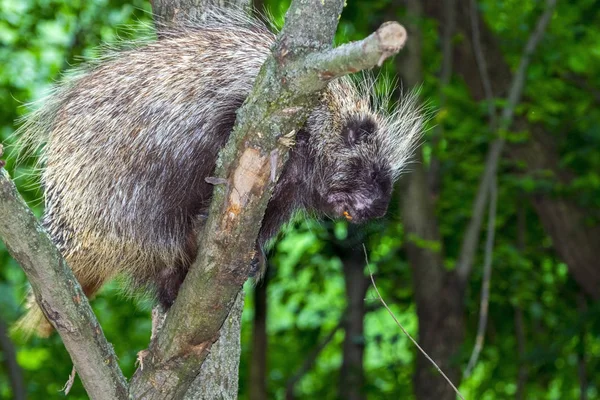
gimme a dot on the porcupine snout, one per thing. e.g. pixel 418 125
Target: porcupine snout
pixel 363 202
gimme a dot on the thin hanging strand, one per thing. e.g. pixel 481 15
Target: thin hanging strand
pixel 404 330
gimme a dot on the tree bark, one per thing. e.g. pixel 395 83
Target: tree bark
pixel 575 241
pixel 218 378
pixel 60 296
pixel 351 373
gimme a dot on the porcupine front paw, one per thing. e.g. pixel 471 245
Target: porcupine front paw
pixel 258 264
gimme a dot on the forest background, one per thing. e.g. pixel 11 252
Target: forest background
pixel 315 328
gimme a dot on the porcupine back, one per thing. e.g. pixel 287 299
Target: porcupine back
pixel 134 138
pixel 128 141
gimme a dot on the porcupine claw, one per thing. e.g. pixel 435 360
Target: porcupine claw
pixel 140 358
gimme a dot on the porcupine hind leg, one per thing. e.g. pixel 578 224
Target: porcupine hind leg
pixel 169 279
pixel 168 282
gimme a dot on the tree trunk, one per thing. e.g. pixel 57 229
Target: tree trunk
pixel 258 363
pixel 523 371
pixel 351 374
pixel 575 241
pixel 218 378
pixel 13 369
pixel 438 294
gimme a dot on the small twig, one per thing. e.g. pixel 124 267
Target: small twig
pixel 487 276
pixel 482 65
pixel 310 360
pixel 404 330
pixel 70 382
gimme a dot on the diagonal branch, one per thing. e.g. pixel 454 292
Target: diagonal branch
pixel 471 238
pixel 60 296
pixel 487 276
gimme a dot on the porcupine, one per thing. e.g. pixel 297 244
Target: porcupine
pixel 130 139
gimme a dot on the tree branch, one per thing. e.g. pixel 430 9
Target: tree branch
pixel 471 238
pixel 60 296
pixel 434 177
pixel 218 378
pixel 487 276
pixel 283 95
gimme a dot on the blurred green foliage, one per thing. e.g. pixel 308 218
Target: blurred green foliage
pixel 39 39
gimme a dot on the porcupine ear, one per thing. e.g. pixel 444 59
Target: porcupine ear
pixel 357 130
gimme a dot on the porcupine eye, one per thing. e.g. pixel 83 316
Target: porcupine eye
pixel 357 130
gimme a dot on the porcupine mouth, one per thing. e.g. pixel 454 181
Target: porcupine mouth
pixel 356 208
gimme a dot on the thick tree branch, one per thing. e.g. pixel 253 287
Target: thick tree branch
pixel 59 295
pixel 276 107
pixel 218 378
pixel 471 238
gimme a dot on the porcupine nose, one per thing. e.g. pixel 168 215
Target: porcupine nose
pixel 379 207
pixel 380 193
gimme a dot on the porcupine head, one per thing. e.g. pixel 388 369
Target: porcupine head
pixel 124 190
